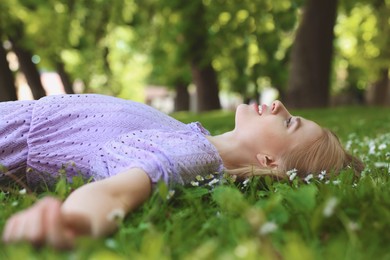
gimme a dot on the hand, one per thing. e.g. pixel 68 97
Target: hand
pixel 40 224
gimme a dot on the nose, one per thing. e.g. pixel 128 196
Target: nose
pixel 279 108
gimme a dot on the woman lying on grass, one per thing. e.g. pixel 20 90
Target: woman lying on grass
pixel 125 148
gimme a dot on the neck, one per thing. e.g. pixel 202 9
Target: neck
pixel 228 147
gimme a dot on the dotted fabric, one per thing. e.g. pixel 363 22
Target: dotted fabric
pixel 99 136
pixel 15 119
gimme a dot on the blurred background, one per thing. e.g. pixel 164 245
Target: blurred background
pixel 198 55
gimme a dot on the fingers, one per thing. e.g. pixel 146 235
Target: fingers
pixel 17 227
pixel 57 233
pixel 35 231
pixel 9 233
pixel 41 223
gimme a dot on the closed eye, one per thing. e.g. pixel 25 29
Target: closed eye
pixel 288 121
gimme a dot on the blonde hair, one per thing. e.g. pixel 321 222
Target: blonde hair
pixel 325 154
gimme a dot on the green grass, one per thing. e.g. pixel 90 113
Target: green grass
pixel 343 218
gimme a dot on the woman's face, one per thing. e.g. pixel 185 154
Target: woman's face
pixel 270 130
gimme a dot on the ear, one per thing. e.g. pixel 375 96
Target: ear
pixel 267 161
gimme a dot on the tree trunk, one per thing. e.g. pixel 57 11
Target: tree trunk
pixel 207 90
pixel 311 56
pixel 379 92
pixel 7 81
pixel 65 78
pixel 29 70
pixel 182 98
pixel 203 74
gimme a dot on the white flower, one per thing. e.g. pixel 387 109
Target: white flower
pixel 330 206
pixel 353 226
pixel 199 178
pixel 245 183
pixel 336 182
pixel 212 182
pixel 117 214
pixel 371 145
pixel 195 183
pixel 268 227
pixel 241 251
pixel 308 178
pixel 170 194
pixel 111 243
pixel 381 164
pixel 348 145
pixel 22 191
pixel 289 172
pixel 292 174
pixel 322 175
pixel 382 146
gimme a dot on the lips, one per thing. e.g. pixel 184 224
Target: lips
pixel 261 108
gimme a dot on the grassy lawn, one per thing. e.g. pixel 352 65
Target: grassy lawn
pixel 342 218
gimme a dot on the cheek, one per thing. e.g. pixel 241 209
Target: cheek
pixel 274 141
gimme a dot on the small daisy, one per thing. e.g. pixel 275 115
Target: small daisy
pixel 212 182
pixel 330 207
pixel 308 178
pixel 195 183
pixel 170 194
pixel 292 174
pixel 268 227
pixel 116 215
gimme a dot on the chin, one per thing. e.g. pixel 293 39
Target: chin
pixel 240 109
pixel 243 108
pixel 242 113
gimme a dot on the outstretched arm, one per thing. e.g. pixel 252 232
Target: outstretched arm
pixel 89 210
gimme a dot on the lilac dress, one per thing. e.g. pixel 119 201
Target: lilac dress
pixel 99 136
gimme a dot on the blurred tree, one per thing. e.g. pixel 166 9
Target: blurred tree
pixel 7 81
pixel 203 73
pixel 363 43
pixel 65 77
pixel 379 92
pixel 80 27
pixel 26 63
pixel 178 38
pixel 182 97
pixel 246 43
pixel 159 37
pixel 13 29
pixel 251 42
pixel 49 42
pixel 240 46
pixel 68 36
pixel 311 56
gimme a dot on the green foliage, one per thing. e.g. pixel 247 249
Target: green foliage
pixel 230 200
pixel 118 47
pixel 362 40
